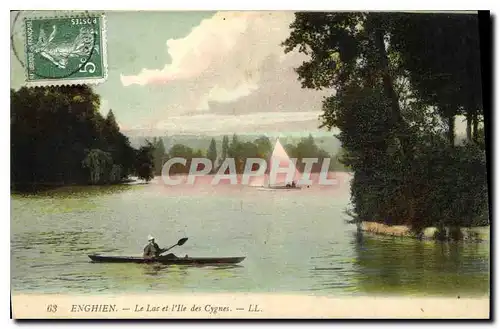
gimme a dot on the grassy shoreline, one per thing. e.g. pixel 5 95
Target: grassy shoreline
pixel 470 234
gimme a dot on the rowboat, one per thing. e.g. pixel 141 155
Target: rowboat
pixel 167 260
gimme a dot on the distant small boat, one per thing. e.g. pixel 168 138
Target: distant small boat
pixel 273 188
pixel 280 156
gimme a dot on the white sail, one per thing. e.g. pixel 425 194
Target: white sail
pixel 280 159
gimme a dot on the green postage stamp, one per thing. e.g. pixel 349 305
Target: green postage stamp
pixel 65 50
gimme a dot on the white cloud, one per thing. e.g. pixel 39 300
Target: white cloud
pixel 217 123
pixel 229 46
pixel 223 95
pixel 232 64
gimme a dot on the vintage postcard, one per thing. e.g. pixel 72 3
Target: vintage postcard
pixel 249 165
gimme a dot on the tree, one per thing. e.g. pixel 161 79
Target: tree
pixel 264 147
pixel 212 153
pixel 184 152
pixel 198 154
pixel 233 146
pixel 111 124
pixel 52 131
pixel 159 155
pixel 225 150
pixel 245 150
pixel 99 164
pixel 144 165
pixel 446 72
pixel 181 151
pixel 390 91
pixel 347 48
pixel 307 148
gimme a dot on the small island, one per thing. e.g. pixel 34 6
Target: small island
pixel 60 138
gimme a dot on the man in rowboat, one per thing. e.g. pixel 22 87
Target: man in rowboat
pixel 152 249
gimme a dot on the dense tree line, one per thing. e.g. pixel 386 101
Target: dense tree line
pixel 307 148
pixel 401 80
pixel 58 137
pixel 240 151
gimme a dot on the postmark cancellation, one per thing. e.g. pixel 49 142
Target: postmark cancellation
pixel 65 50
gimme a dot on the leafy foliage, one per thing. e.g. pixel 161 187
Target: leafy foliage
pixel 158 155
pixel 450 81
pixel 144 163
pixel 212 152
pixel 59 137
pixel 400 80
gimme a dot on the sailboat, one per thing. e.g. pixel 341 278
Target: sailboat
pixel 281 182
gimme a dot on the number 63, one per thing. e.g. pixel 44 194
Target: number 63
pixel 51 308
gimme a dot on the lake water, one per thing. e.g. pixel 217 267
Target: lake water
pixel 294 242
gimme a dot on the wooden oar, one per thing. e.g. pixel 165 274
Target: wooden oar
pixel 179 243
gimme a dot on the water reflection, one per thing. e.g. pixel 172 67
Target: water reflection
pixel 399 265
pixel 66 242
pixel 332 271
pixel 160 277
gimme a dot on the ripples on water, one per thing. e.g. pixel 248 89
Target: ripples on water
pixel 294 242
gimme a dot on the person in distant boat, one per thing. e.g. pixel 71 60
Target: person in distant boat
pixel 152 249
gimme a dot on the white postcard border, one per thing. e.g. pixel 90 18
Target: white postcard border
pixel 152 5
